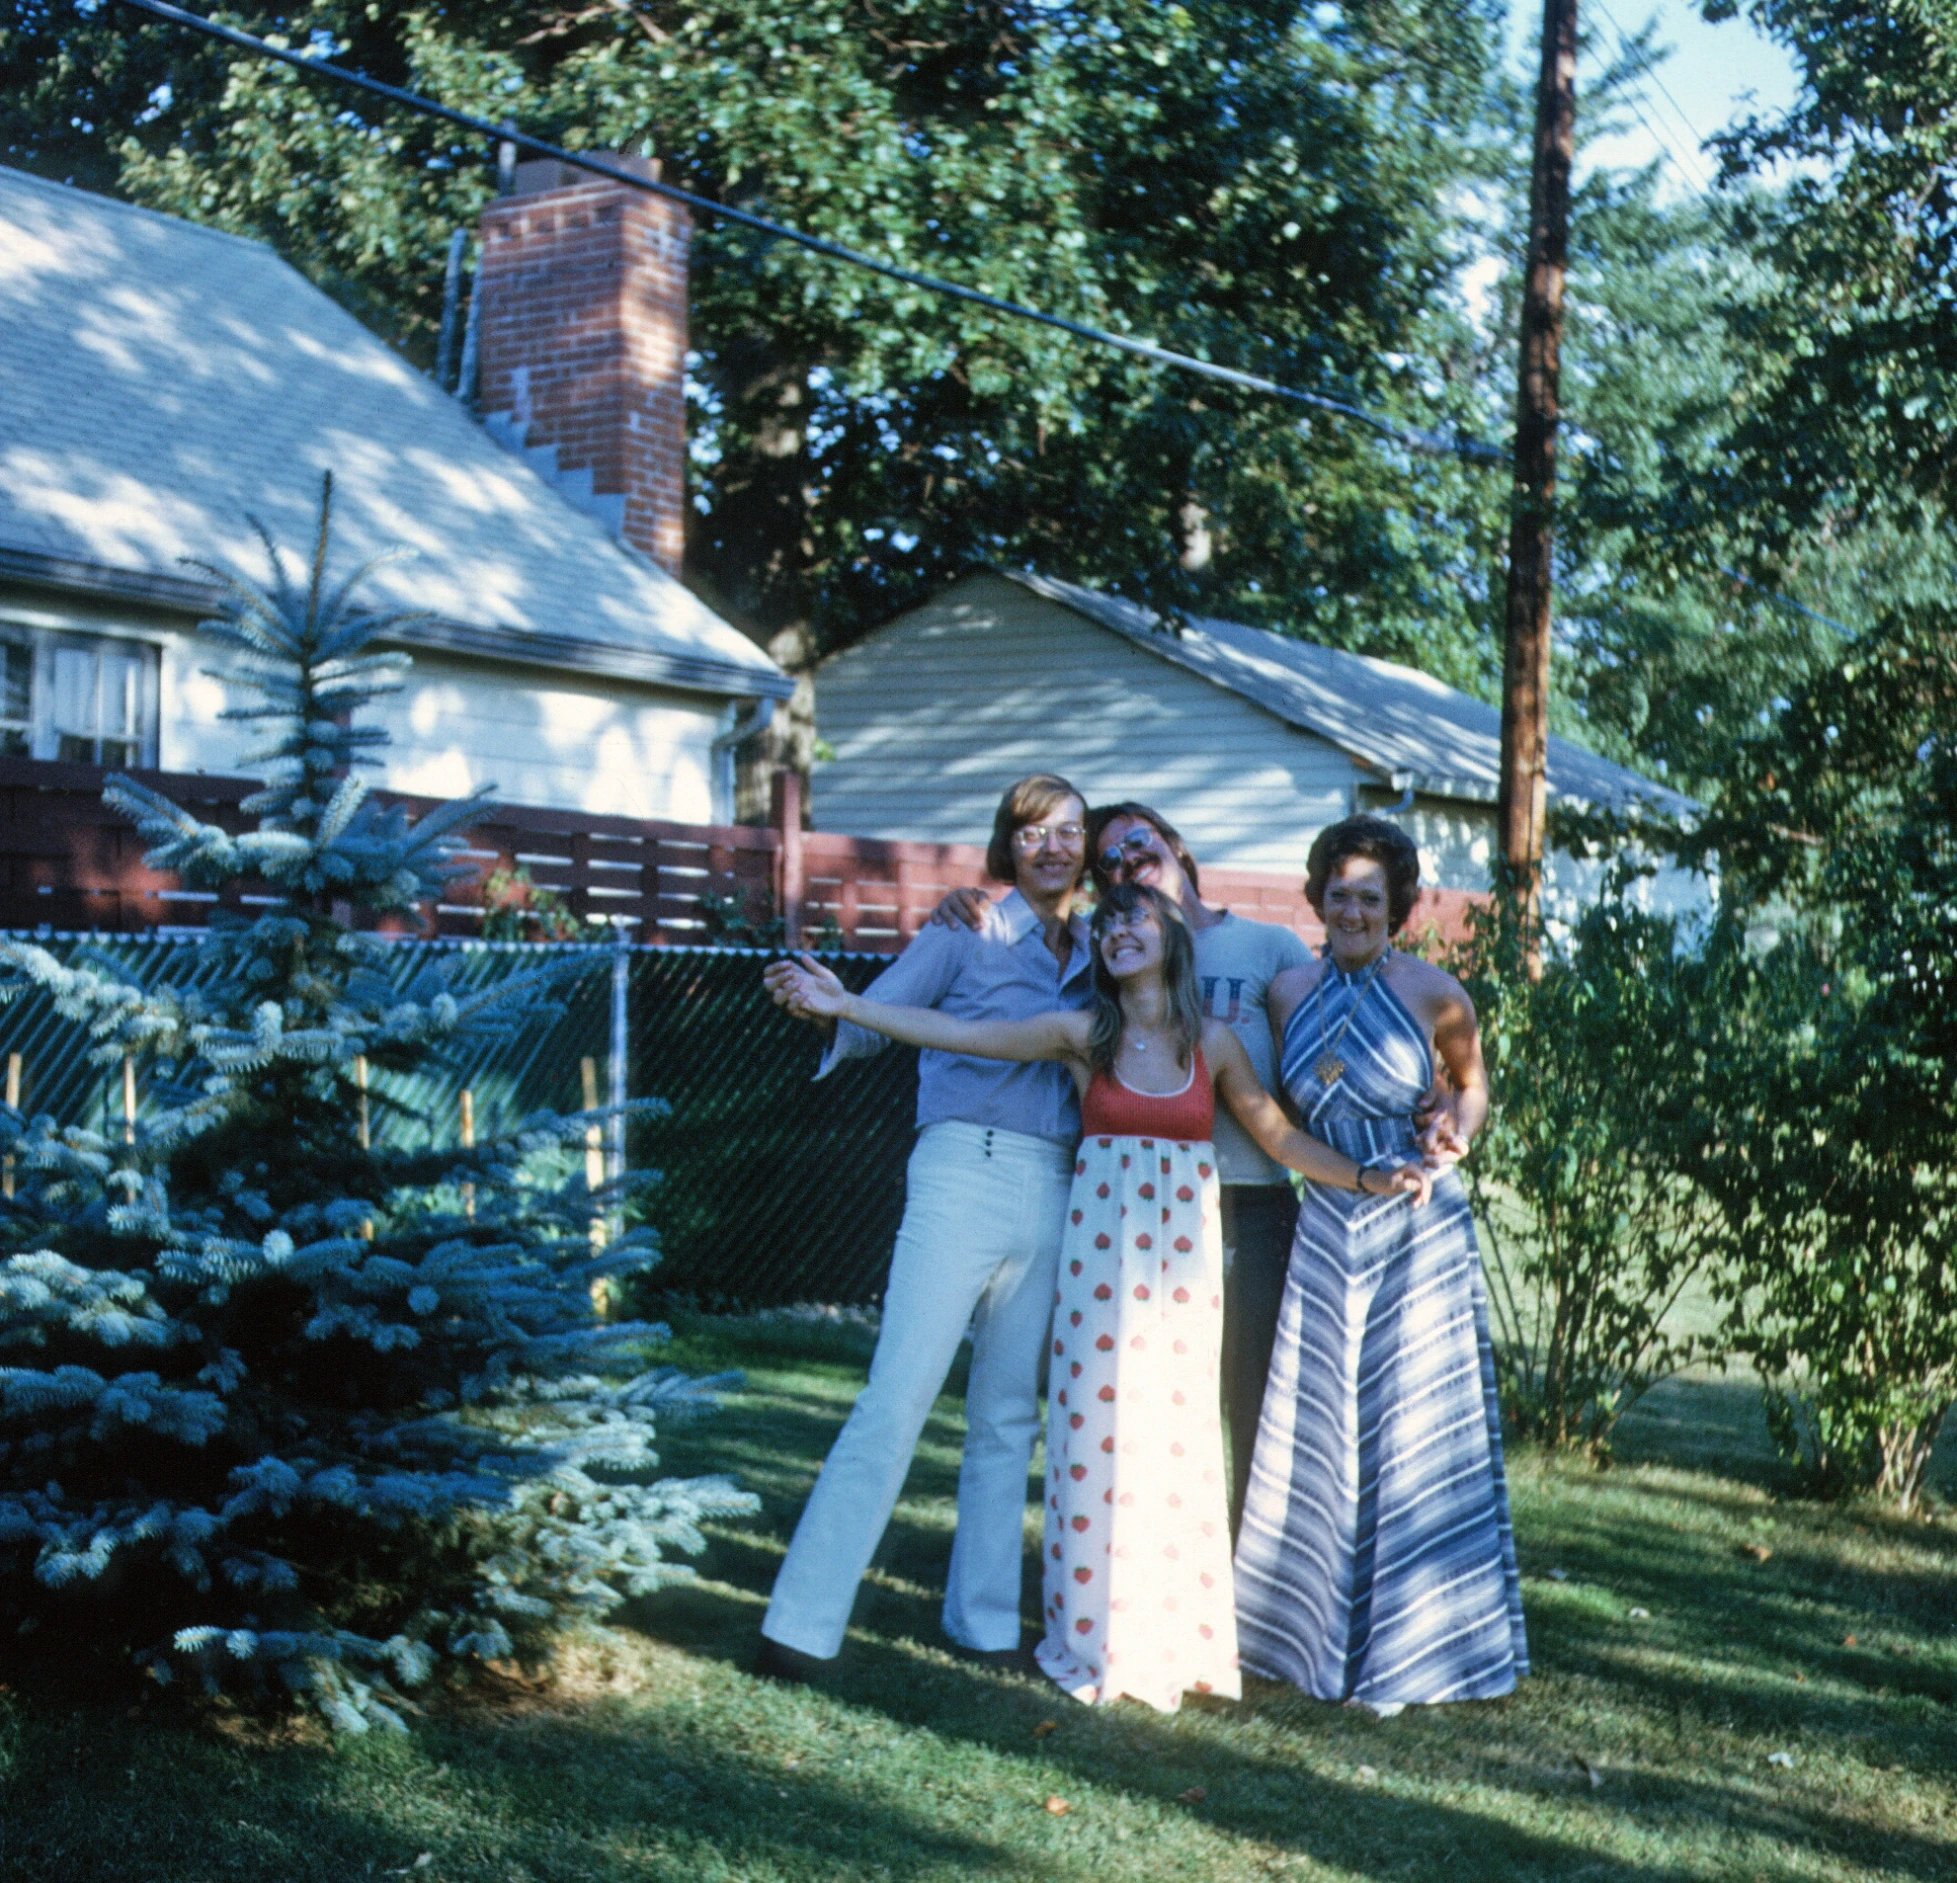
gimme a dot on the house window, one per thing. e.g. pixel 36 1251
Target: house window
pixel 78 698
pixel 98 703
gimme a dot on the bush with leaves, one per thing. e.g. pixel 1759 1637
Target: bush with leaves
pixel 277 1410
pixel 1594 1232
pixel 517 909
pixel 1836 1160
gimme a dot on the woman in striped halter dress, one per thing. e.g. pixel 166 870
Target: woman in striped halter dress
pixel 1376 1564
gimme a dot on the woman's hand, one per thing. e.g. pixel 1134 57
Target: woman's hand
pixel 806 988
pixel 1443 1143
pixel 1414 1180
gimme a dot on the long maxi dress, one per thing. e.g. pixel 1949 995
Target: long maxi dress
pixel 1136 1548
pixel 1376 1562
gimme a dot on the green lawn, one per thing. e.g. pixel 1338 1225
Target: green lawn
pixel 1641 1748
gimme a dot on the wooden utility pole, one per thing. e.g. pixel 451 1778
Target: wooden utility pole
pixel 1525 660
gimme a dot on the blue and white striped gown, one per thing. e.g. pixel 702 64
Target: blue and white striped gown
pixel 1376 1560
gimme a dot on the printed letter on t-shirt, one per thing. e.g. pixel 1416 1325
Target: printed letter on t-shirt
pixel 1209 1000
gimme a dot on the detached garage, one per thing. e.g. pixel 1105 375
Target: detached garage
pixel 1250 743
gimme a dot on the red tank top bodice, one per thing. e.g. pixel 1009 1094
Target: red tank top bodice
pixel 1111 1109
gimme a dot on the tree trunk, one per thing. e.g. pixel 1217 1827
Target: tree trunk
pixel 1525 663
pixel 751 558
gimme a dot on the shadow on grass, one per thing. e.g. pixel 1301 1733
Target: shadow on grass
pixel 547 1797
pixel 1732 1644
pixel 1359 1829
pixel 1705 1422
pixel 1717 1422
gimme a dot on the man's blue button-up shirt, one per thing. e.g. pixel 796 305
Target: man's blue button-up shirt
pixel 1002 970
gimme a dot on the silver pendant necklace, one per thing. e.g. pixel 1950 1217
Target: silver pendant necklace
pixel 1330 1068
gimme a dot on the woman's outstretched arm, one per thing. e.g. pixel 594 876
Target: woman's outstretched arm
pixel 1259 1114
pixel 808 987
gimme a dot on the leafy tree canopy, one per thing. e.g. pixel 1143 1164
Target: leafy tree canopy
pixel 1850 397
pixel 1267 184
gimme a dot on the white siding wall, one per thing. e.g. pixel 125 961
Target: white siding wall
pixel 1457 840
pixel 934 715
pixel 570 743
pixel 577 744
pixel 1570 883
pixel 1460 841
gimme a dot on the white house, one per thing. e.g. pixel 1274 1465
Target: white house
pixel 1248 742
pixel 164 382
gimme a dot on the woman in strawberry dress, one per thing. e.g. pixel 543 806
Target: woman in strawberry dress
pixel 1136 1550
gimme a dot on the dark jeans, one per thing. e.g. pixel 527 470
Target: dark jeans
pixel 1258 1222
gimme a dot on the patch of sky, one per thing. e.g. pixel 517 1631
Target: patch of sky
pixel 1702 78
pixel 703 440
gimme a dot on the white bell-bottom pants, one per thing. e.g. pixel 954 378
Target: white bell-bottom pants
pixel 978 1248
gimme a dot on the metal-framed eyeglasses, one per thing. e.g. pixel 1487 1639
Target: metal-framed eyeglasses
pixel 1030 839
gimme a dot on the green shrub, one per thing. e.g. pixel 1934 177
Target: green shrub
pixel 1593 1230
pixel 1836 1154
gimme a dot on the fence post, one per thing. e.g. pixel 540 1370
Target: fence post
pixel 13 1104
pixel 620 1079
pixel 786 789
pixel 468 1144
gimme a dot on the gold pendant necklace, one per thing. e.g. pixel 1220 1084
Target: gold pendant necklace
pixel 1330 1068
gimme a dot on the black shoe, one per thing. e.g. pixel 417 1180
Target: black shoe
pixel 1007 1660
pixel 774 1661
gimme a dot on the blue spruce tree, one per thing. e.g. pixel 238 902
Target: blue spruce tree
pixel 279 1411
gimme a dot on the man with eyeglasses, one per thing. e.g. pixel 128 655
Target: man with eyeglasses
pixel 985 1203
pixel 1236 961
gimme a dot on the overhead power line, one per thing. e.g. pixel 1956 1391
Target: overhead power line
pixel 1787 601
pixel 1414 438
pixel 1650 71
pixel 1646 69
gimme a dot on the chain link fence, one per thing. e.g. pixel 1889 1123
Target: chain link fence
pixel 774 1189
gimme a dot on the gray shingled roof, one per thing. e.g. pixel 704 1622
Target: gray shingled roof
pixel 161 380
pixel 1392 719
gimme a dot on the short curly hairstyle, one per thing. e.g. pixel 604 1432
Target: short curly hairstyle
pixel 1379 839
pixel 1025 802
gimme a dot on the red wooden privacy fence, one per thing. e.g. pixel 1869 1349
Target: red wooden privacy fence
pixel 68 862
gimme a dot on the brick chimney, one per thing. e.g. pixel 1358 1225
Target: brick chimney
pixel 582 345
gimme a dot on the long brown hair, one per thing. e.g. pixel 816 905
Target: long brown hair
pixel 1178 975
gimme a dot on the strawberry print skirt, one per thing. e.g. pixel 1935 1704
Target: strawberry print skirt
pixel 1136 1548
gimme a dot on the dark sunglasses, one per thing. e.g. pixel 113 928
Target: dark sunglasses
pixel 1138 842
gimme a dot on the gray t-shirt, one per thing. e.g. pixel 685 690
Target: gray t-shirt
pixel 1236 961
